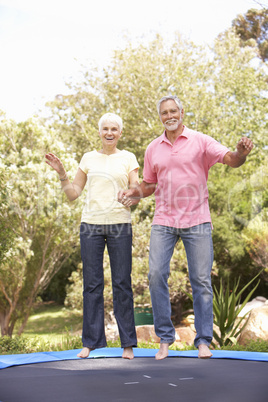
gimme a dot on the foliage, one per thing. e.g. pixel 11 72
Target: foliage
pixel 252 28
pixel 226 309
pixel 256 232
pixel 6 233
pixel 16 345
pixel 258 246
pixel 140 253
pixel 75 117
pixel 56 290
pixel 25 344
pixel 74 289
pixel 260 345
pixel 43 225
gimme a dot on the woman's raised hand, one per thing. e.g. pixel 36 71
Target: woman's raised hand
pixel 53 161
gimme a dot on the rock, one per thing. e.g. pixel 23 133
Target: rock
pixel 257 325
pixel 145 333
pixel 254 303
pixel 185 335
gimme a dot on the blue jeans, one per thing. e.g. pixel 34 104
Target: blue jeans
pixel 198 245
pixel 93 239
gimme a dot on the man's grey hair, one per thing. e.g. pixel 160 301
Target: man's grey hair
pixel 168 97
pixel 111 118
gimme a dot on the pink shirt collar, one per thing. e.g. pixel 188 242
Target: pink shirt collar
pixel 163 137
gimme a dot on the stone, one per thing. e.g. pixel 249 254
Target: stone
pixel 257 325
pixel 185 335
pixel 254 303
pixel 145 333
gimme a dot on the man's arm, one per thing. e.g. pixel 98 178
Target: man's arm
pixel 237 158
pixel 136 193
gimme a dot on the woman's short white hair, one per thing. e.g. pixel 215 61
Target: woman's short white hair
pixel 168 97
pixel 111 118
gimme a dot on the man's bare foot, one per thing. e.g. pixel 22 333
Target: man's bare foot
pixel 204 352
pixel 128 353
pixel 163 351
pixel 84 353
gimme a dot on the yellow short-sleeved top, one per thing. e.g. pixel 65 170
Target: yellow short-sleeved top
pixel 106 175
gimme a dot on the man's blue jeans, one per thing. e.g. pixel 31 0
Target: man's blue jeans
pixel 93 239
pixel 198 245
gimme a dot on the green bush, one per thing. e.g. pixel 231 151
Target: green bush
pixel 226 308
pixel 17 345
pixel 23 344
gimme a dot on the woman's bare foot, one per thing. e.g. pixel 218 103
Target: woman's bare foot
pixel 128 353
pixel 84 353
pixel 163 351
pixel 204 352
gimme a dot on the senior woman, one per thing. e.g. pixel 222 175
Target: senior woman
pixel 104 221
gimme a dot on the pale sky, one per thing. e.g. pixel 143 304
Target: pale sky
pixel 44 42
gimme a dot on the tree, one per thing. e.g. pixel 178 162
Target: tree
pixel 238 109
pixel 252 28
pixel 257 242
pixel 43 225
pixel 75 117
pixel 6 234
pixel 255 233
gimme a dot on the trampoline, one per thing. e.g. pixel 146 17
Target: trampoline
pixel 105 376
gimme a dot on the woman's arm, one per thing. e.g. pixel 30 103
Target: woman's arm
pixel 133 183
pixel 133 178
pixel 72 190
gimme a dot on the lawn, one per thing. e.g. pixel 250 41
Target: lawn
pixel 50 322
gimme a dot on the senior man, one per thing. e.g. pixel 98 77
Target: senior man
pixel 176 167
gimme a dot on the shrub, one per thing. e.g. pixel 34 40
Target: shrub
pixel 17 344
pixel 226 308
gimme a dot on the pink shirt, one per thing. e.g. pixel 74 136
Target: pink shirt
pixel 181 172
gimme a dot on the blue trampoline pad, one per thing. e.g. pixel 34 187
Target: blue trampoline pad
pixel 43 357
pixel 105 376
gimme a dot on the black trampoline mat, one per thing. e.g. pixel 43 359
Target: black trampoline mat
pixel 141 379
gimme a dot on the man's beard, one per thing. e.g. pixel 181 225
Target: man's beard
pixel 174 126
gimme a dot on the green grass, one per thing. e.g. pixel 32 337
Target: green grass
pixel 50 322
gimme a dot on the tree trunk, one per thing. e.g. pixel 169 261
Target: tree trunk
pixel 6 328
pixel 25 319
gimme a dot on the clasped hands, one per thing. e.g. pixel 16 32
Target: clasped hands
pixel 126 198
